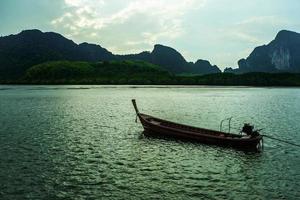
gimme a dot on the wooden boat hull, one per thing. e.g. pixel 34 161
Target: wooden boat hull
pixel 158 131
pixel 162 128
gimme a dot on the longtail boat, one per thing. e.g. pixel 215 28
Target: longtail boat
pixel 162 128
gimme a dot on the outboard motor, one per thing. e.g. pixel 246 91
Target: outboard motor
pixel 249 130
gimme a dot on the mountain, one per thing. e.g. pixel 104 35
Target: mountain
pixel 280 55
pixel 31 47
pixel 204 67
pixel 173 61
pixel 94 53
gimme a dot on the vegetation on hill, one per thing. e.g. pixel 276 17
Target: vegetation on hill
pixel 140 73
pixel 108 72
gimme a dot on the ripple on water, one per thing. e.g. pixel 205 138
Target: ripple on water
pixel 63 143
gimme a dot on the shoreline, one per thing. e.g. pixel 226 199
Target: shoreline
pixel 94 86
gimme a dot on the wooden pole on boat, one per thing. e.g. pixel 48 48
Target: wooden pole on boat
pixel 135 106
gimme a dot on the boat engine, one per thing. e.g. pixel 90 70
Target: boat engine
pixel 249 130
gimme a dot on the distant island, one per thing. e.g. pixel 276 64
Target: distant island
pixel 34 57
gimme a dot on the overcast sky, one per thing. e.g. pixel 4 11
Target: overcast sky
pixel 221 31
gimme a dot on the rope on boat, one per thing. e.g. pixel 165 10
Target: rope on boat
pixel 280 140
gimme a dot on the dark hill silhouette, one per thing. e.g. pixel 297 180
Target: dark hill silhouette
pixel 31 47
pixel 173 61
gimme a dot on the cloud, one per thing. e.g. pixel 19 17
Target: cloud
pixel 263 20
pixel 137 22
pixel 82 3
pixel 244 35
pixel 254 30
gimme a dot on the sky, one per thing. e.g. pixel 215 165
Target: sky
pixel 221 31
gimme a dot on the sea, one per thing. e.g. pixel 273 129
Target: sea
pixel 82 142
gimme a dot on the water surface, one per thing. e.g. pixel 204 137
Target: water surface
pixel 81 142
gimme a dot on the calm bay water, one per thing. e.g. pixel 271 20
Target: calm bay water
pixel 81 142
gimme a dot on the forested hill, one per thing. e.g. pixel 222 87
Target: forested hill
pixel 139 73
pixel 107 72
pixel 34 57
